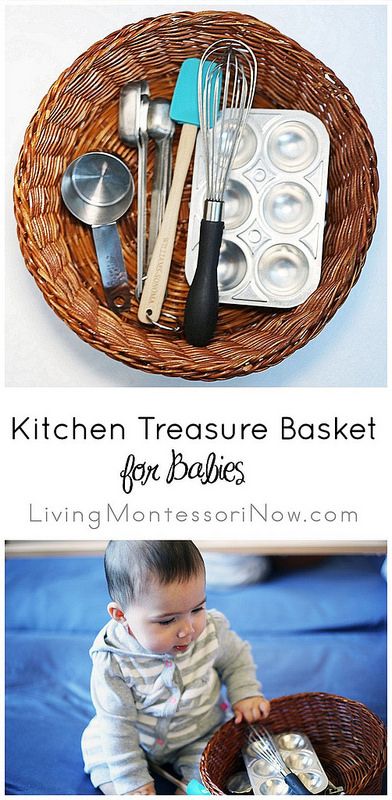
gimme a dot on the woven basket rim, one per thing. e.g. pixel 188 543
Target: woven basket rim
pixel 169 17
pixel 326 696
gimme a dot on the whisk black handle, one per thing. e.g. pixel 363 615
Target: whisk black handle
pixel 295 784
pixel 201 311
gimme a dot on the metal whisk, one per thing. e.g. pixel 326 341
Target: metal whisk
pixel 264 745
pixel 226 86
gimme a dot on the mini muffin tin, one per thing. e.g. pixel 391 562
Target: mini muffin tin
pixel 299 755
pixel 274 211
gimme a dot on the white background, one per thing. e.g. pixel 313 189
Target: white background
pixel 42 40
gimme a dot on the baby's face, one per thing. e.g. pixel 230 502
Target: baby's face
pixel 169 617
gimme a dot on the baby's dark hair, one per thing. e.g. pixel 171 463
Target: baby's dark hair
pixel 130 566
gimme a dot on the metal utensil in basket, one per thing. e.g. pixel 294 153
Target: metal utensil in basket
pixel 264 745
pixel 225 94
pixel 97 189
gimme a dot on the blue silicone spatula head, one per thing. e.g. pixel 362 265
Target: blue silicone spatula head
pixel 184 106
pixel 194 787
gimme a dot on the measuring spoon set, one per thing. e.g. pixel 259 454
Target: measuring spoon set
pixel 98 188
pixel 259 181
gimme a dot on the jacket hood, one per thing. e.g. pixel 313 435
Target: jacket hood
pixel 113 638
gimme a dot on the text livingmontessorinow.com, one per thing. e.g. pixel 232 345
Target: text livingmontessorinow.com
pixel 252 513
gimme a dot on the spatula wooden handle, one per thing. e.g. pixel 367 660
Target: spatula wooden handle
pixel 158 270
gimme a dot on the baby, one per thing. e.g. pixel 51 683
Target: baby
pixel 158 669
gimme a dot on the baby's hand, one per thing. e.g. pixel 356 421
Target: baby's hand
pixel 251 709
pixel 148 788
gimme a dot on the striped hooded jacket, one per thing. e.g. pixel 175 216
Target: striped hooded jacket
pixel 159 704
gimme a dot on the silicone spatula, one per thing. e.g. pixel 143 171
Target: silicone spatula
pixel 193 787
pixel 184 110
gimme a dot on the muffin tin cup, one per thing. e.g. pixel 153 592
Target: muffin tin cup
pixel 274 211
pixel 299 756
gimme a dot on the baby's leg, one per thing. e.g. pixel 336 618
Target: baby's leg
pixel 188 759
pixel 107 788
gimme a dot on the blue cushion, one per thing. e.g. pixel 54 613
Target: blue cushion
pixel 70 594
pixel 56 594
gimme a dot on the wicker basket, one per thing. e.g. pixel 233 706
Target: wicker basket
pixel 348 738
pixel 79 113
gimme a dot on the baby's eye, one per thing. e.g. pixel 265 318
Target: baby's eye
pixel 166 621
pixel 196 610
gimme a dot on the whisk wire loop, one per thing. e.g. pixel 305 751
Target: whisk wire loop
pixel 226 85
pixel 265 746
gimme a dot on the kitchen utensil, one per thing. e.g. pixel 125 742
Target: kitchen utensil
pixel 332 789
pixel 184 110
pixel 272 243
pixel 264 746
pixel 97 189
pixel 193 787
pixel 160 128
pixel 222 120
pixel 132 129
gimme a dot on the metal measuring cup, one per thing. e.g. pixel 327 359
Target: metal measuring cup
pixel 97 189
pixel 132 129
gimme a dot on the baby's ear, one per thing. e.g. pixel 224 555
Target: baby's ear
pixel 116 612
